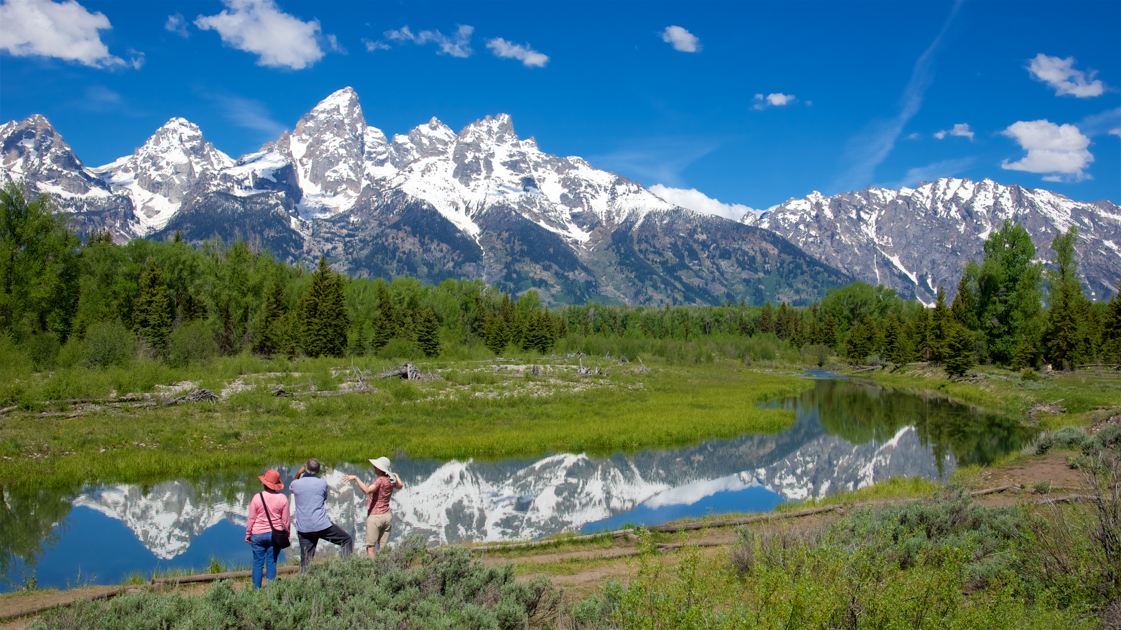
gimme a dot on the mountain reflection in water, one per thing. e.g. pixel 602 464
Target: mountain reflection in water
pixel 847 435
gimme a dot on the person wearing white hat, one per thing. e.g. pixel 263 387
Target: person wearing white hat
pixel 378 517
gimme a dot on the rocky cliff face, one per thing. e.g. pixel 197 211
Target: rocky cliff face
pixel 435 204
pixel 914 240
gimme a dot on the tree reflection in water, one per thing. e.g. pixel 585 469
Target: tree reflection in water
pixel 28 520
pixel 863 412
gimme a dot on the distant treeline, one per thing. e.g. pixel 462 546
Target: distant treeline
pixel 66 302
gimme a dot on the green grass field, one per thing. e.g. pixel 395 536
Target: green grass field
pixel 471 411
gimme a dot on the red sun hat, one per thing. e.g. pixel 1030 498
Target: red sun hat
pixel 271 479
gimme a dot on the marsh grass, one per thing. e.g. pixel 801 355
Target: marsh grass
pixel 894 488
pixel 498 415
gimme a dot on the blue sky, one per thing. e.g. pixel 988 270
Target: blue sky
pixel 746 102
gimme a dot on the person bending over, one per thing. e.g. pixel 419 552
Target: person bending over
pixel 309 493
pixel 378 517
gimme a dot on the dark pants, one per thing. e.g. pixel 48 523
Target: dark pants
pixel 333 534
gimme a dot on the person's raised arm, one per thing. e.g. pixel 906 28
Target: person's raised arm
pixel 367 489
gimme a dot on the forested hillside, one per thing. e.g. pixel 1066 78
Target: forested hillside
pixel 65 302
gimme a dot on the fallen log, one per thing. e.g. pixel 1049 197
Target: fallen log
pixel 199 395
pixel 36 609
pixel 407 371
pixel 7 409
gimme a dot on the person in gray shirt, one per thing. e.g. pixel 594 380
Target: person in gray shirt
pixel 309 494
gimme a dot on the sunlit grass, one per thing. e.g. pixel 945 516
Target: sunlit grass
pixel 474 414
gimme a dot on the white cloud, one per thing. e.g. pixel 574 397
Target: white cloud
pixel 371 45
pixel 1055 149
pixel 961 130
pixel 697 201
pixel 63 30
pixel 176 24
pixel 681 39
pixel 1061 75
pixel 780 99
pixel 777 99
pixel 261 28
pixel 1115 132
pixel 509 50
pixel 913 136
pixel 457 46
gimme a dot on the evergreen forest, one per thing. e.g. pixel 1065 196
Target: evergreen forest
pixel 67 300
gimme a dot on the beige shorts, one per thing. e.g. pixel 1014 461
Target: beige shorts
pixel 377 529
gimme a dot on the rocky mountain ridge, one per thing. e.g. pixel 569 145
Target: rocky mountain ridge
pixel 432 204
pixel 915 239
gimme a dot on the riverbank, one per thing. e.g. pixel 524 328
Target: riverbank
pixel 482 410
pixel 613 581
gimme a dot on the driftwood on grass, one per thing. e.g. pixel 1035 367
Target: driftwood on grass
pixel 7 409
pixel 865 368
pixel 586 371
pixel 199 395
pixel 407 371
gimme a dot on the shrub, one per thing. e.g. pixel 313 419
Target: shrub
pixel 1066 437
pixel 42 349
pixel 1029 375
pixel 107 344
pixel 398 348
pixel 191 343
pixel 407 586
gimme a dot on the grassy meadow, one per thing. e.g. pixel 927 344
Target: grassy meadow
pixel 467 408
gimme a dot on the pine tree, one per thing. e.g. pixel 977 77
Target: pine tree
pixel 895 349
pixel 829 332
pixel 271 332
pixel 1111 328
pixel 767 319
pixel 1065 338
pixel 964 307
pixel 428 332
pixel 322 314
pixel 385 324
pixel 152 312
pixel 939 327
pixel 861 341
pixel 959 350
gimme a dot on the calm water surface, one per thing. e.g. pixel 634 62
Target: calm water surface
pixel 848 434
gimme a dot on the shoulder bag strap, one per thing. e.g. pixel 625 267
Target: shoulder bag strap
pixel 265 506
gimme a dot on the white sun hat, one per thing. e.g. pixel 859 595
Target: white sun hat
pixel 382 464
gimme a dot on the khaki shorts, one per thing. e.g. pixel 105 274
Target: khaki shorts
pixel 377 529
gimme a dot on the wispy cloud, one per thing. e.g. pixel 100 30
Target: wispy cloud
pixel 681 39
pixel 509 50
pixel 931 172
pixel 248 114
pixel 1060 150
pixel 659 160
pixel 458 45
pixel 868 149
pixel 177 24
pixel 259 26
pixel 697 201
pixel 1060 74
pixel 1098 124
pixel 67 30
pixel 960 130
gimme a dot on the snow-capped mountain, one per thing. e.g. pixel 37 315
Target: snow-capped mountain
pixel 915 239
pixel 160 174
pixel 432 203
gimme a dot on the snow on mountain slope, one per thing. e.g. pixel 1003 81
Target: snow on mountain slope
pixel 158 175
pixel 915 239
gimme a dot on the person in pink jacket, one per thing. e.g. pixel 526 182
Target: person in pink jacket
pixel 267 504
